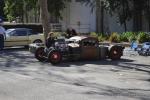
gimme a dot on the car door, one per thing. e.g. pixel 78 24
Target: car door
pixel 32 36
pixel 89 49
pixel 17 38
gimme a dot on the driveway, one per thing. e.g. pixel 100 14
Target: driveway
pixel 22 77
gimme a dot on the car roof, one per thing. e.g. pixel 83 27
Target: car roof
pixel 13 29
pixel 20 29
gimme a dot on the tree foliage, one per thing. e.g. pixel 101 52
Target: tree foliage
pixel 55 7
pixel 125 10
pixel 121 9
pixel 17 8
pixel 1 7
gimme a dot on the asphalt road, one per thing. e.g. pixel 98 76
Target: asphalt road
pixel 22 77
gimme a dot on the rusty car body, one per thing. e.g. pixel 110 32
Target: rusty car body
pixel 76 48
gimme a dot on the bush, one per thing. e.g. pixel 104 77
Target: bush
pixel 124 37
pixel 132 38
pixel 114 37
pixel 93 34
pixel 102 37
pixel 127 36
pixel 143 37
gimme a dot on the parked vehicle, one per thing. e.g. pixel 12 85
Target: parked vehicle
pixel 22 37
pixel 145 49
pixel 76 48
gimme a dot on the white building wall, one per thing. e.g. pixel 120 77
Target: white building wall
pixel 77 13
pixel 115 26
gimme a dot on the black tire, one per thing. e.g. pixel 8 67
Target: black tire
pixel 40 54
pixel 115 52
pixel 54 57
pixel 26 46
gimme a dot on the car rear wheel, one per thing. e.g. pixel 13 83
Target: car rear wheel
pixel 40 54
pixel 54 57
pixel 115 52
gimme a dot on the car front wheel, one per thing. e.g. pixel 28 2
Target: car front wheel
pixel 54 57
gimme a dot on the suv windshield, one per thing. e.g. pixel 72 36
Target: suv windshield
pixel 9 31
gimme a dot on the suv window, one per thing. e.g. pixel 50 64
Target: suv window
pixel 20 33
pixel 31 32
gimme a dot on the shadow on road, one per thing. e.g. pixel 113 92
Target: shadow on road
pixel 18 48
pixel 20 57
pixel 16 57
pixel 122 64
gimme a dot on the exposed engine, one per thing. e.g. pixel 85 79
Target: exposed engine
pixel 61 45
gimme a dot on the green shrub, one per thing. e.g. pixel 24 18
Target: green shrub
pixel 143 37
pixel 102 37
pixel 123 37
pixel 127 36
pixel 93 34
pixel 114 37
pixel 132 38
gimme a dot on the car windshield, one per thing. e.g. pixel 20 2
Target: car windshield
pixel 9 31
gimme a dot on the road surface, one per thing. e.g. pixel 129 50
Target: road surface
pixel 22 77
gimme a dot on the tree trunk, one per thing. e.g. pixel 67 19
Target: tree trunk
pixel 125 26
pixel 44 17
pixel 147 14
pixel 26 17
pixel 137 18
pixel 102 17
pixel 125 16
pixel 99 17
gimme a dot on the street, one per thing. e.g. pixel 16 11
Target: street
pixel 22 77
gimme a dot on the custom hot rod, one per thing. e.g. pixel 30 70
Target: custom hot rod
pixel 76 48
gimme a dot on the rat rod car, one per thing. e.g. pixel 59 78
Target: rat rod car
pixel 76 48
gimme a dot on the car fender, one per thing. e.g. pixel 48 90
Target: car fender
pixel 115 52
pixel 32 38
